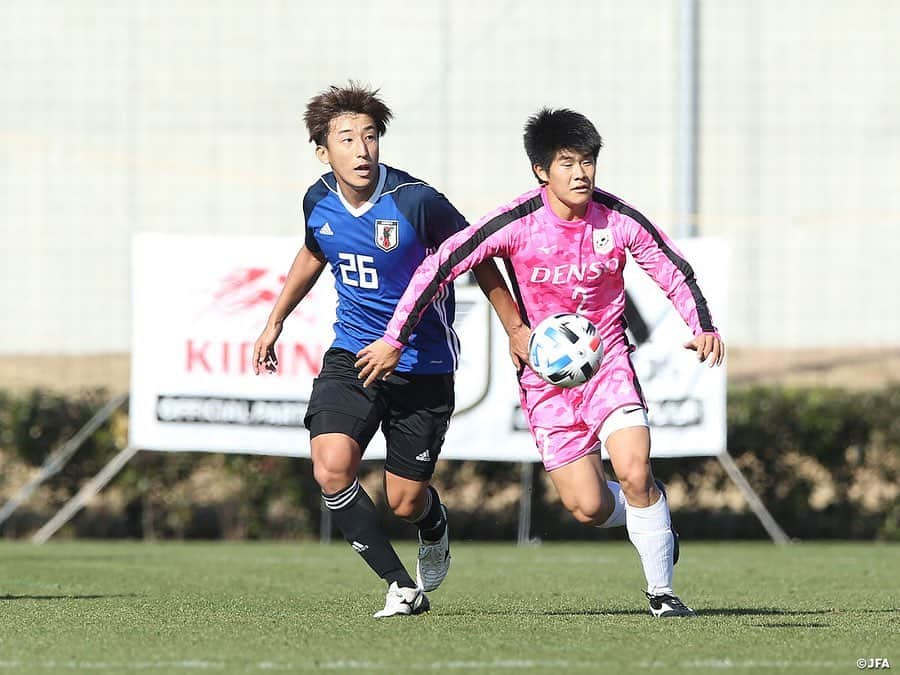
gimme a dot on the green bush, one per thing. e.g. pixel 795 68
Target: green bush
pixel 853 436
pixel 826 462
pixel 33 425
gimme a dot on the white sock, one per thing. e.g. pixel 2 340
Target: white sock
pixel 617 517
pixel 650 530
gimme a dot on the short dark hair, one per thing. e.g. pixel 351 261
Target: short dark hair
pixel 336 101
pixel 548 131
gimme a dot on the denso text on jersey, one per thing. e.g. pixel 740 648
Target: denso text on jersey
pixel 566 274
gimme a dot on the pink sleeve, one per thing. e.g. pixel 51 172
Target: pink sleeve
pixel 457 255
pixel 659 258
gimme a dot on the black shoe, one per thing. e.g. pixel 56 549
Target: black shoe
pixel 667 606
pixel 677 548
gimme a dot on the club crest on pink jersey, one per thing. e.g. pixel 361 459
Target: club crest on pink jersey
pixel 387 234
pixel 603 241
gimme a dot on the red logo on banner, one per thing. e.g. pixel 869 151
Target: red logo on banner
pixel 235 358
pixel 247 288
pixel 240 292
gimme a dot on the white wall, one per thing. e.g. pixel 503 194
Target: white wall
pixel 801 166
pixel 186 117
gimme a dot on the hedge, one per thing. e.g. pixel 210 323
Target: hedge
pixel 825 461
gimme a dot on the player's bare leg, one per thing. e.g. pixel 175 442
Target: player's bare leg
pixel 648 521
pixel 419 503
pixel 585 492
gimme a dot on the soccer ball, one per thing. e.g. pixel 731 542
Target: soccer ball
pixel 565 350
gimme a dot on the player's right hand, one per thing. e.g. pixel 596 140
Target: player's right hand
pixel 376 361
pixel 518 346
pixel 264 349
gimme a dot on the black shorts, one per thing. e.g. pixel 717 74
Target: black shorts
pixel 412 410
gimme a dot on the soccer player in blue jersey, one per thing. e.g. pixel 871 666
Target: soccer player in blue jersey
pixel 373 225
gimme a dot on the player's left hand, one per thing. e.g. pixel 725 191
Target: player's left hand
pixel 376 361
pixel 708 345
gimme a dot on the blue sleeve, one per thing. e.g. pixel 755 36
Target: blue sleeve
pixel 431 214
pixel 309 203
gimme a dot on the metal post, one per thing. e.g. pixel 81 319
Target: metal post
pixel 527 483
pixel 768 522
pixel 688 98
pixel 324 523
pixel 92 487
pixel 57 459
pixel 443 97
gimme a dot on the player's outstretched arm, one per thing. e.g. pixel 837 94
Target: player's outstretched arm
pixel 708 346
pixel 658 256
pixel 378 359
pixel 302 276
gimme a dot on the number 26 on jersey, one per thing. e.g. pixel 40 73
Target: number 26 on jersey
pixel 358 270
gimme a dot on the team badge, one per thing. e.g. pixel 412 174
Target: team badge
pixel 387 234
pixel 603 241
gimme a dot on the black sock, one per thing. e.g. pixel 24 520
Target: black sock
pixel 356 518
pixel 432 523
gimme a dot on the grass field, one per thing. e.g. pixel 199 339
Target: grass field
pixel 554 608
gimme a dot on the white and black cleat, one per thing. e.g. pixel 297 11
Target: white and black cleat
pixel 668 606
pixel 434 559
pixel 403 602
pixel 676 549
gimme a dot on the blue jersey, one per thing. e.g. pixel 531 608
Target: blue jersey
pixel 373 252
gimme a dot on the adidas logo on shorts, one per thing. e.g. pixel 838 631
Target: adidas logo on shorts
pixel 424 456
pixel 359 548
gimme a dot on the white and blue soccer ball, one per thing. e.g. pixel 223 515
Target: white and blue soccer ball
pixel 565 350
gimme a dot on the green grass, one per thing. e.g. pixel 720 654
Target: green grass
pixel 555 608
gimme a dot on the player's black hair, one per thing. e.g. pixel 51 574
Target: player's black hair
pixel 336 101
pixel 548 131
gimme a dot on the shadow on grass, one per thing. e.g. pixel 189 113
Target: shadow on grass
pixel 773 611
pixel 723 611
pixel 10 598
pixel 792 625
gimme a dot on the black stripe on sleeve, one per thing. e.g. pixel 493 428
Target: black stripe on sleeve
pixel 517 292
pixel 680 263
pixel 463 251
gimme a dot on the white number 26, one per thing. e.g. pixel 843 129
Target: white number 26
pixel 356 270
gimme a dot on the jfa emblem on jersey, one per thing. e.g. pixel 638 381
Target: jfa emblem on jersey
pixel 603 241
pixel 387 234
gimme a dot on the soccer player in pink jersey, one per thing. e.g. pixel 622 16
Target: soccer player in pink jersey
pixel 565 244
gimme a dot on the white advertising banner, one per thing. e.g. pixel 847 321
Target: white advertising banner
pixel 198 305
pixel 199 302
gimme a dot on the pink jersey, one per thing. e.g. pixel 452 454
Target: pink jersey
pixel 560 266
pixel 565 266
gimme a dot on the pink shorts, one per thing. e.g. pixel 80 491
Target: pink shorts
pixel 566 423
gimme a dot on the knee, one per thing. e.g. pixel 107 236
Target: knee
pixel 405 504
pixel 332 476
pixel 589 511
pixel 585 518
pixel 636 480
